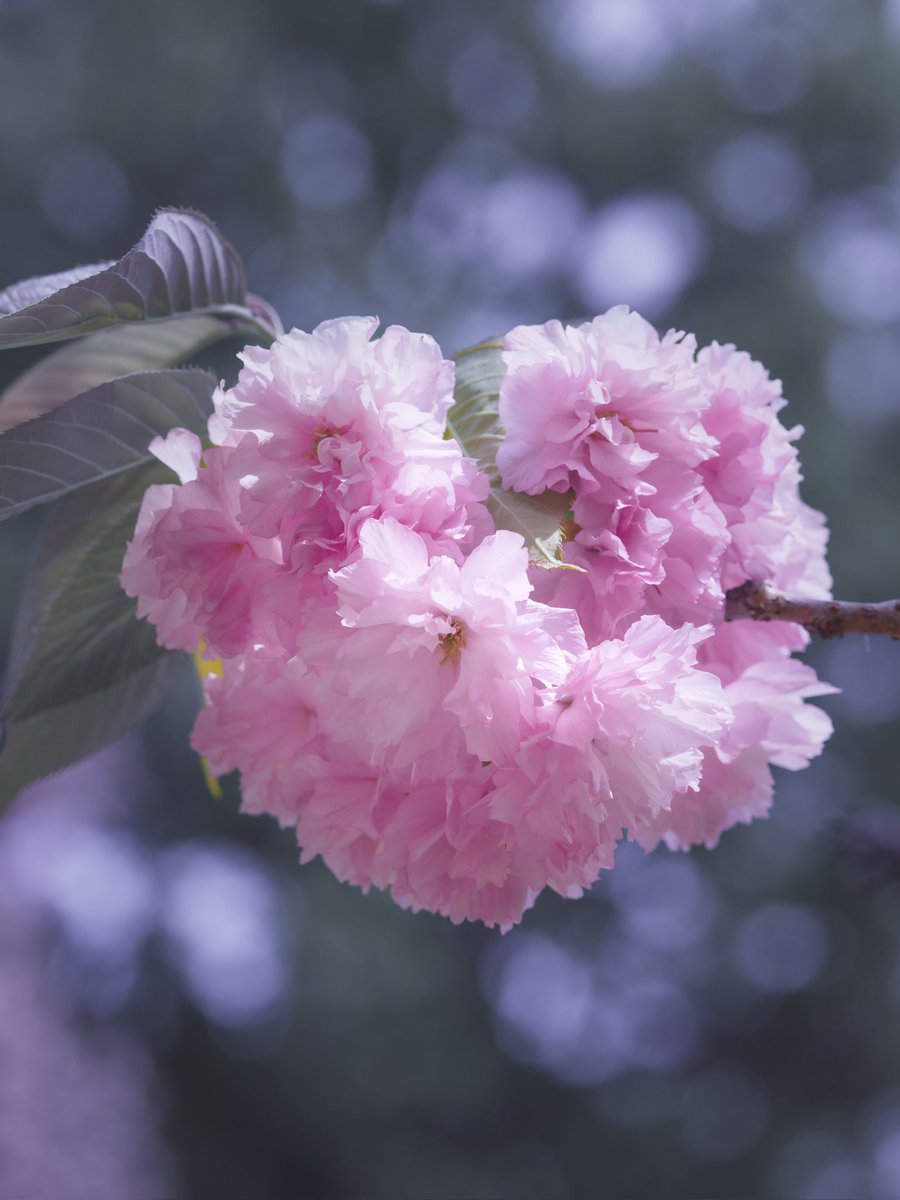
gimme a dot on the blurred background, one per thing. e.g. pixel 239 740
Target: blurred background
pixel 184 1012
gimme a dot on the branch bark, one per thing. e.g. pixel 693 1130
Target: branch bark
pixel 827 618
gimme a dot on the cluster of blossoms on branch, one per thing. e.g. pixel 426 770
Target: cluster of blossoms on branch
pixel 392 676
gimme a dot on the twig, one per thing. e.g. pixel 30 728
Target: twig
pixel 827 618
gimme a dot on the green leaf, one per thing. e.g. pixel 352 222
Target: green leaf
pixel 97 435
pixel 83 670
pixel 87 362
pixel 474 421
pixel 55 738
pixel 182 264
pixel 76 631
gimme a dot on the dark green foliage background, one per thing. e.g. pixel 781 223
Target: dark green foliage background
pixel 385 1076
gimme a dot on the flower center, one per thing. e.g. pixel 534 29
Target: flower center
pixel 323 432
pixel 612 415
pixel 453 642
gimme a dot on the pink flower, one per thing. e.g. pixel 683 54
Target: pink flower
pixel 443 656
pixel 766 689
pixel 464 863
pixel 640 709
pixel 613 412
pixel 754 479
pixel 330 428
pixel 598 402
pixel 616 740
pixel 261 718
pixel 430 714
pixel 433 842
pixel 668 514
pixel 610 748
pixel 194 567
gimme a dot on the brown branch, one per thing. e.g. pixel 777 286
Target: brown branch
pixel 827 618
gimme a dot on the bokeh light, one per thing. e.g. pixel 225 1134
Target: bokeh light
pixel 781 947
pixel 184 1010
pixel 758 181
pixel 641 250
pixel 83 192
pixel 222 929
pixel 620 44
pixel 852 254
pixel 326 162
pixel 862 376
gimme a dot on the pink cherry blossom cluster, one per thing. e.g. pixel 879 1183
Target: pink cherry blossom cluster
pixel 431 713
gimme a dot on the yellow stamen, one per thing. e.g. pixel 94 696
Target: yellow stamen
pixel 323 432
pixel 454 642
pixel 208 668
pixel 614 416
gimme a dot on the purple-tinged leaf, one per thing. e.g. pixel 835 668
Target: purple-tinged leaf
pixel 122 350
pixel 265 314
pixel 182 264
pixel 100 434
pixel 39 287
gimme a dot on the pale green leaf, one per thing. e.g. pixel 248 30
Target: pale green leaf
pixel 474 422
